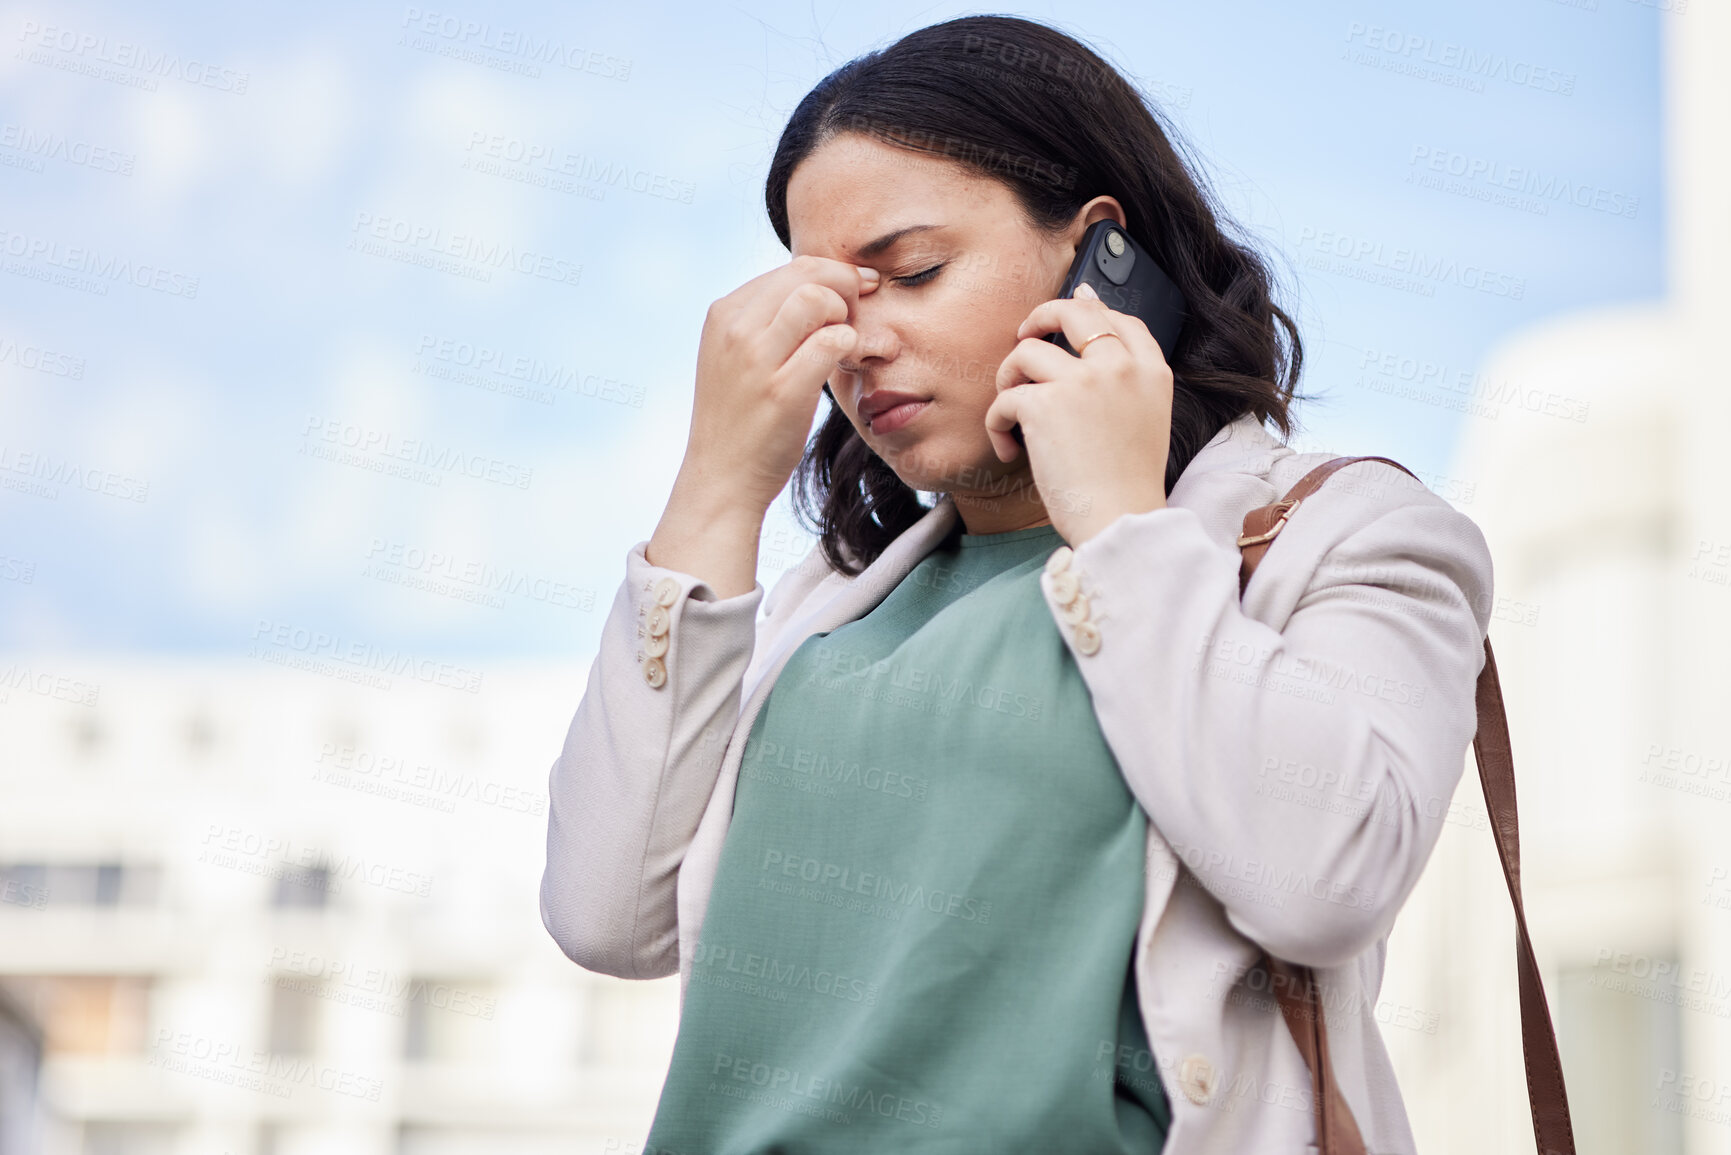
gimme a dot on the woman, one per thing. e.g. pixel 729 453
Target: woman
pixel 974 841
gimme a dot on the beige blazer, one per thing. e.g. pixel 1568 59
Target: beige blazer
pixel 1296 755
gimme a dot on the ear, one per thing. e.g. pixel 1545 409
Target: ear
pixel 1101 208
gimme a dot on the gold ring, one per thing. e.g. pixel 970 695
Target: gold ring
pixel 1080 349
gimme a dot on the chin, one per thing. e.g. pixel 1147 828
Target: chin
pixel 930 463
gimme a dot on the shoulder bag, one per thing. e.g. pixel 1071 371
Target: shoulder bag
pixel 1295 986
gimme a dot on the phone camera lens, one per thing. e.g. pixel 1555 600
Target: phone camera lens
pixel 1115 243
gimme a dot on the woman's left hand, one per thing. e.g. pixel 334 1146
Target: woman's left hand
pixel 1098 426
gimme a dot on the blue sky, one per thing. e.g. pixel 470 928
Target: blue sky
pixel 219 241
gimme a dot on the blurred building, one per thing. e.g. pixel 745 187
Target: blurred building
pixel 249 910
pixel 20 1062
pixel 1612 538
pixel 260 911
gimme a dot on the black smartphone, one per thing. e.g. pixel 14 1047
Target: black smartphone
pixel 1128 280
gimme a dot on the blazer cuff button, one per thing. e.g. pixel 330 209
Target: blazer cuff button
pixel 1065 586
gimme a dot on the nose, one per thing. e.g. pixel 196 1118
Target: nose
pixel 877 342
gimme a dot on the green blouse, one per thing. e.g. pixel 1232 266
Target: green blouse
pixel 921 929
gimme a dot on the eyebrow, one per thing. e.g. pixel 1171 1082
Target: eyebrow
pixel 875 247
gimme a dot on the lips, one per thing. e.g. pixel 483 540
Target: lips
pixel 883 400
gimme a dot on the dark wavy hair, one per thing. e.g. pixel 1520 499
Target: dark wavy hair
pixel 1032 107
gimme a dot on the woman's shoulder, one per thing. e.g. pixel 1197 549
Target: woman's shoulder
pixel 1246 465
pixel 1370 522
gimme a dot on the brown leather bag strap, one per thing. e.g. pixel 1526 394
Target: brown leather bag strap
pixel 1296 987
pixel 1264 523
pixel 1301 1006
pixel 1495 755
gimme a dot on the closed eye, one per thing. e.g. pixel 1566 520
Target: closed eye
pixel 918 278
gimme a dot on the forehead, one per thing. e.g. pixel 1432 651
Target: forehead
pixel 853 189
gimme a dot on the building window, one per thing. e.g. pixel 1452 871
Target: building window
pixel 24 884
pixel 294 1017
pixel 41 884
pixel 450 1020
pixel 304 887
pixel 127 1138
pixel 87 1014
pixel 345 735
pixel 88 735
pixel 200 735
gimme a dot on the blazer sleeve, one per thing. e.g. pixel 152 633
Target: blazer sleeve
pixel 637 768
pixel 1301 774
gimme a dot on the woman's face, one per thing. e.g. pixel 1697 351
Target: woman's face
pixel 961 270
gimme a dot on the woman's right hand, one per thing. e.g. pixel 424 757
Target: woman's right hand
pixel 766 351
